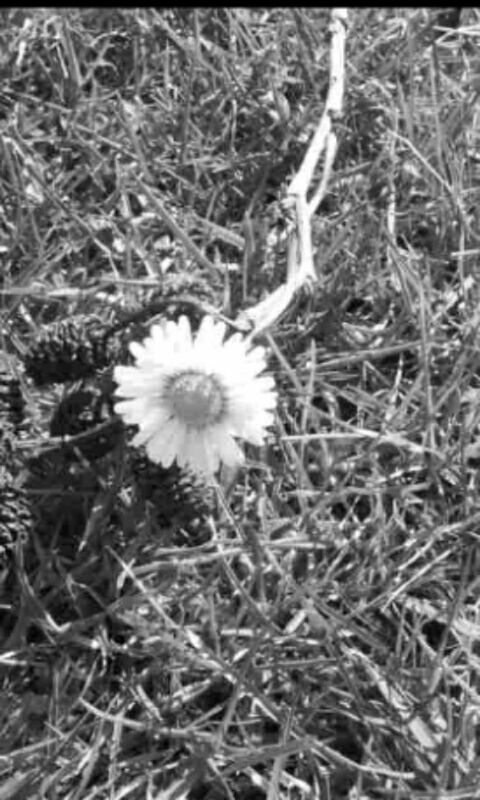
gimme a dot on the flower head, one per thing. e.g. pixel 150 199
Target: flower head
pixel 192 396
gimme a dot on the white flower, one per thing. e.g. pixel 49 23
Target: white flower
pixel 190 396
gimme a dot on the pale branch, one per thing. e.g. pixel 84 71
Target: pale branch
pixel 330 153
pixel 301 268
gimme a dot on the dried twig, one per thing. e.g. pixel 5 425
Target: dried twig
pixel 301 269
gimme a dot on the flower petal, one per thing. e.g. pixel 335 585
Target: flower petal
pixel 228 449
pixel 165 446
pixel 198 453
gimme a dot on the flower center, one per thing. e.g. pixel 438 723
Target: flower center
pixel 196 398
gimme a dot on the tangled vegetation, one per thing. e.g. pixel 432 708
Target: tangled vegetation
pixel 308 630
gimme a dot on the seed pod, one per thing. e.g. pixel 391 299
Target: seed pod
pixel 85 410
pixel 70 350
pixel 177 496
pixel 9 456
pixel 15 520
pixel 184 285
pixel 12 403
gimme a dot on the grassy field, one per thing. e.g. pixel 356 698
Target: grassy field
pixel 309 629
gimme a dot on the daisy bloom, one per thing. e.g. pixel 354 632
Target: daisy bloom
pixel 192 396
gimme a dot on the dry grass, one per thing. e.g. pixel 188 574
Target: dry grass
pixel 315 634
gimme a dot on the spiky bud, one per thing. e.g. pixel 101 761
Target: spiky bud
pixel 15 520
pixel 10 459
pixel 12 403
pixel 177 294
pixel 186 283
pixel 176 291
pixel 70 349
pixel 176 495
pixel 85 410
